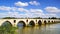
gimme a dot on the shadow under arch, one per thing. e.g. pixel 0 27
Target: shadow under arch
pixel 45 22
pixel 21 23
pixel 39 22
pixel 32 23
pixel 7 24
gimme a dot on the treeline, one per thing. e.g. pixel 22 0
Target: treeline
pixel 30 18
pixel 9 18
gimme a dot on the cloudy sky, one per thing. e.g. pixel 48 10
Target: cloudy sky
pixel 29 8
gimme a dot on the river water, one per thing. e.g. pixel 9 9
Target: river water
pixel 43 29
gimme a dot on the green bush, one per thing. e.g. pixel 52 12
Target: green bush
pixel 7 29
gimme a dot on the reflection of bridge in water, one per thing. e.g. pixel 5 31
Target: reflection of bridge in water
pixel 26 22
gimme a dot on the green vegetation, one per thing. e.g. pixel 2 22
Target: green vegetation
pixel 7 29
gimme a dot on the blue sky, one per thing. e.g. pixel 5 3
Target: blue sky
pixel 29 8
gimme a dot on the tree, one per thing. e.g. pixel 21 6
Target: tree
pixel 53 18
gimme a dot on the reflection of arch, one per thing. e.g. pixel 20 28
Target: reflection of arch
pixel 6 23
pixel 45 22
pixel 54 21
pixel 39 22
pixel 21 22
pixel 31 23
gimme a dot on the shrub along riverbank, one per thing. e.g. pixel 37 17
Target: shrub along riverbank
pixel 7 30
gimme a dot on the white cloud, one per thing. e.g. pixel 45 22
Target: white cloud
pixel 30 10
pixel 5 8
pixel 22 10
pixel 52 9
pixel 13 9
pixel 36 10
pixel 21 4
pixel 15 12
pixel 34 3
pixel 2 15
pixel 50 15
pixel 31 15
pixel 28 13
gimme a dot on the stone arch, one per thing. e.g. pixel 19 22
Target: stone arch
pixel 21 22
pixel 49 21
pixel 39 22
pixel 32 23
pixel 52 21
pixel 45 21
pixel 7 22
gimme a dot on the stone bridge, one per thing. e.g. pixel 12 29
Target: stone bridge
pixel 26 22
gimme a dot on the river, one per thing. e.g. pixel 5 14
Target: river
pixel 43 29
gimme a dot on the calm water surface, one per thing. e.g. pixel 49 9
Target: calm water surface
pixel 43 29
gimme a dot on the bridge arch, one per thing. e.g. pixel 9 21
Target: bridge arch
pixel 32 23
pixel 21 23
pixel 52 21
pixel 6 23
pixel 45 21
pixel 49 21
pixel 39 22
